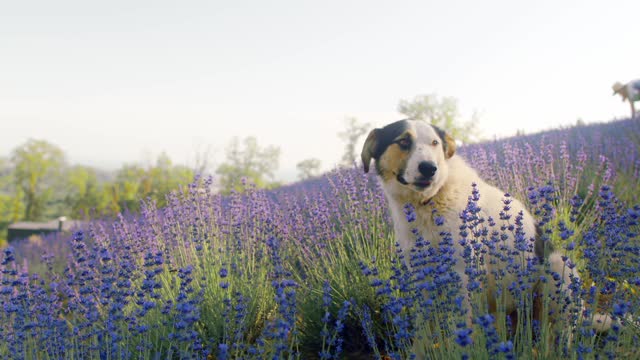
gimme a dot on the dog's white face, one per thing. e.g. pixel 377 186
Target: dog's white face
pixel 410 155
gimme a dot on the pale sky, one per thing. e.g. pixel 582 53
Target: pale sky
pixel 120 81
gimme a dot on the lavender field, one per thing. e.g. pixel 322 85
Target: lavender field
pixel 311 270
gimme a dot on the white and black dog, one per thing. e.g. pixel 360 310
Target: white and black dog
pixel 417 165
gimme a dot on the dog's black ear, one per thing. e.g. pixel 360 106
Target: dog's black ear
pixel 369 149
pixel 448 143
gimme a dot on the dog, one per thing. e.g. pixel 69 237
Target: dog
pixel 417 164
pixel 629 92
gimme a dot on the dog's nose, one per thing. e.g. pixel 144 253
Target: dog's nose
pixel 427 169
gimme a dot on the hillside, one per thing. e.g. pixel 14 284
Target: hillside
pixel 311 270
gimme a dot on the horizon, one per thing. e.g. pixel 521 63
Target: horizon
pixel 121 83
pixel 149 158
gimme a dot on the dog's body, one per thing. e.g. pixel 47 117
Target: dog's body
pixel 417 165
pixel 629 92
pixel 448 203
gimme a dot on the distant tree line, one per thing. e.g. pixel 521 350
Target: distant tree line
pixel 37 183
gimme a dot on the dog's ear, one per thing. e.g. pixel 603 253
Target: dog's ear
pixel 369 149
pixel 450 146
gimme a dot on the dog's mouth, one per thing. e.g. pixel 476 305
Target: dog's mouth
pixel 422 183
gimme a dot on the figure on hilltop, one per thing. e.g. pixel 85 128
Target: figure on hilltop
pixel 629 92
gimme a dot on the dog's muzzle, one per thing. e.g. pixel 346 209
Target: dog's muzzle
pixel 427 170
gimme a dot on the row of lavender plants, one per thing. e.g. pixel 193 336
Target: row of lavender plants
pixel 311 271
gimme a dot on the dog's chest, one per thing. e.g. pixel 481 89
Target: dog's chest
pixel 429 224
pixel 433 223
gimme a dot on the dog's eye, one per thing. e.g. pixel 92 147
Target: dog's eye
pixel 435 142
pixel 404 143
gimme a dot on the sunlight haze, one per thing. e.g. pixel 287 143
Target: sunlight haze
pixel 122 81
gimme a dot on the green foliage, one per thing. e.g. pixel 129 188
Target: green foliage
pixel 247 161
pixel 84 192
pixel 308 168
pixel 36 184
pixel 442 112
pixel 11 206
pixel 126 188
pixel 629 182
pixel 5 172
pixel 134 183
pixel 37 164
pixel 11 210
pixel 5 198
pixel 352 132
pixel 165 177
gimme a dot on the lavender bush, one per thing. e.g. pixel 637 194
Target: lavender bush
pixel 311 270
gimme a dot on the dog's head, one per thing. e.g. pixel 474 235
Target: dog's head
pixel 410 154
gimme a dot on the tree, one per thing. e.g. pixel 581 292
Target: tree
pixel 11 210
pixel 5 175
pixel 5 171
pixel 164 178
pixel 442 112
pixel 308 168
pixel 11 206
pixel 37 166
pixel 125 191
pixel 134 183
pixel 354 130
pixel 84 192
pixel 250 162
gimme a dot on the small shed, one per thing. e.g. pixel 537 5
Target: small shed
pixel 25 229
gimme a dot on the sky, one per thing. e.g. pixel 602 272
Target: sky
pixel 113 82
